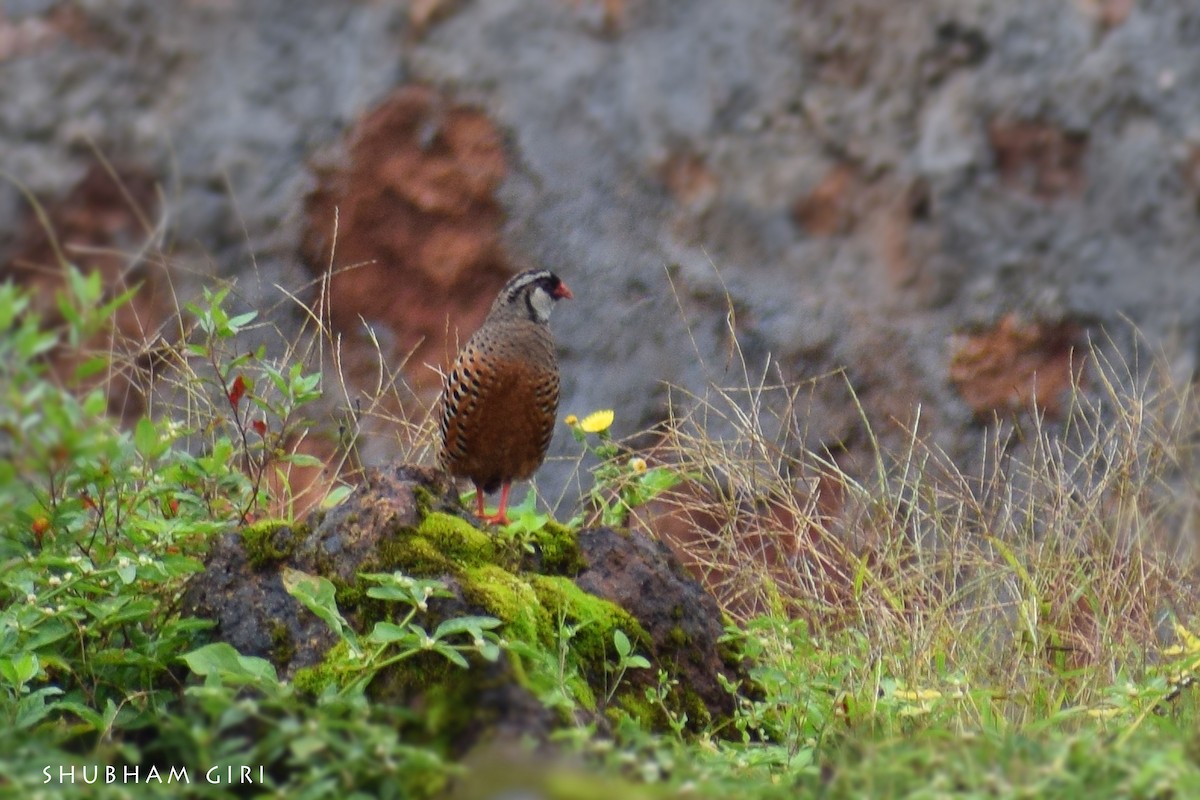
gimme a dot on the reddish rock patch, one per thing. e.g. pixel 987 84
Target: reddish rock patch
pixel 424 14
pixel 1109 13
pixel 31 33
pixel 417 226
pixel 1014 366
pixel 689 180
pixel 1191 172
pixel 1039 159
pixel 828 209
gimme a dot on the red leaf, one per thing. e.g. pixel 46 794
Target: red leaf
pixel 238 391
pixel 260 427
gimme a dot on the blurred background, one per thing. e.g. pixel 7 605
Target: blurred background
pixel 930 204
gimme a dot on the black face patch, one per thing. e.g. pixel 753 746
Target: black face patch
pixel 524 282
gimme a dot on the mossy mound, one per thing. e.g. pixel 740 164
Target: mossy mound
pixel 440 544
pixel 559 603
pixel 269 542
pixel 545 614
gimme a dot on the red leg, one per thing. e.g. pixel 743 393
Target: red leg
pixel 500 517
pixel 479 502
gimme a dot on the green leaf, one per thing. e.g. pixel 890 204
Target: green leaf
pixel 95 404
pixel 67 309
pixel 125 609
pixel 661 478
pixel 90 367
pixel 319 596
pixel 472 625
pixel 621 642
pixel 241 320
pixel 452 656
pixel 393 593
pixel 336 495
pixel 33 708
pixel 19 670
pixel 52 630
pixel 305 747
pixel 146 439
pixel 105 311
pixel 389 632
pixel 302 460
pixel 222 661
pixel 127 572
pixel 12 303
pixel 84 712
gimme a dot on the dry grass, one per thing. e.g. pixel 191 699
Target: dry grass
pixel 1056 567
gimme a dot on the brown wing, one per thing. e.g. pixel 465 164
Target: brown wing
pixel 498 410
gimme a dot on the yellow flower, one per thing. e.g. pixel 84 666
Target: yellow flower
pixel 1189 643
pixel 571 420
pixel 637 464
pixel 1103 713
pixel 597 421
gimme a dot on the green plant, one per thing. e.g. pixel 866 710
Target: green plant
pixel 389 642
pixel 620 483
pixel 525 523
pixel 263 401
pixel 101 529
pixel 626 660
pixel 805 688
pixel 336 744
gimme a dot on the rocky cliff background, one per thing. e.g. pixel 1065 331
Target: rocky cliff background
pixel 943 198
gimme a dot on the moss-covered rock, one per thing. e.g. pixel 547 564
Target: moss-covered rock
pixel 559 608
pixel 595 620
pixel 439 544
pixel 270 542
pixel 558 551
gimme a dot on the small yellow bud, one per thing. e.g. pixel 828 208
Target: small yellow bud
pixel 571 420
pixel 637 464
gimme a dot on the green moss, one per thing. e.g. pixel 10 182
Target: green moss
pixel 440 544
pixel 508 598
pixel 424 500
pixel 684 700
pixel 678 639
pixel 559 547
pixel 531 607
pixel 631 702
pixel 595 618
pixel 412 555
pixel 457 538
pixel 352 600
pixel 315 679
pixel 270 541
pixel 282 646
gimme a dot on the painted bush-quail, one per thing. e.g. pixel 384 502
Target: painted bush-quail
pixel 500 398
